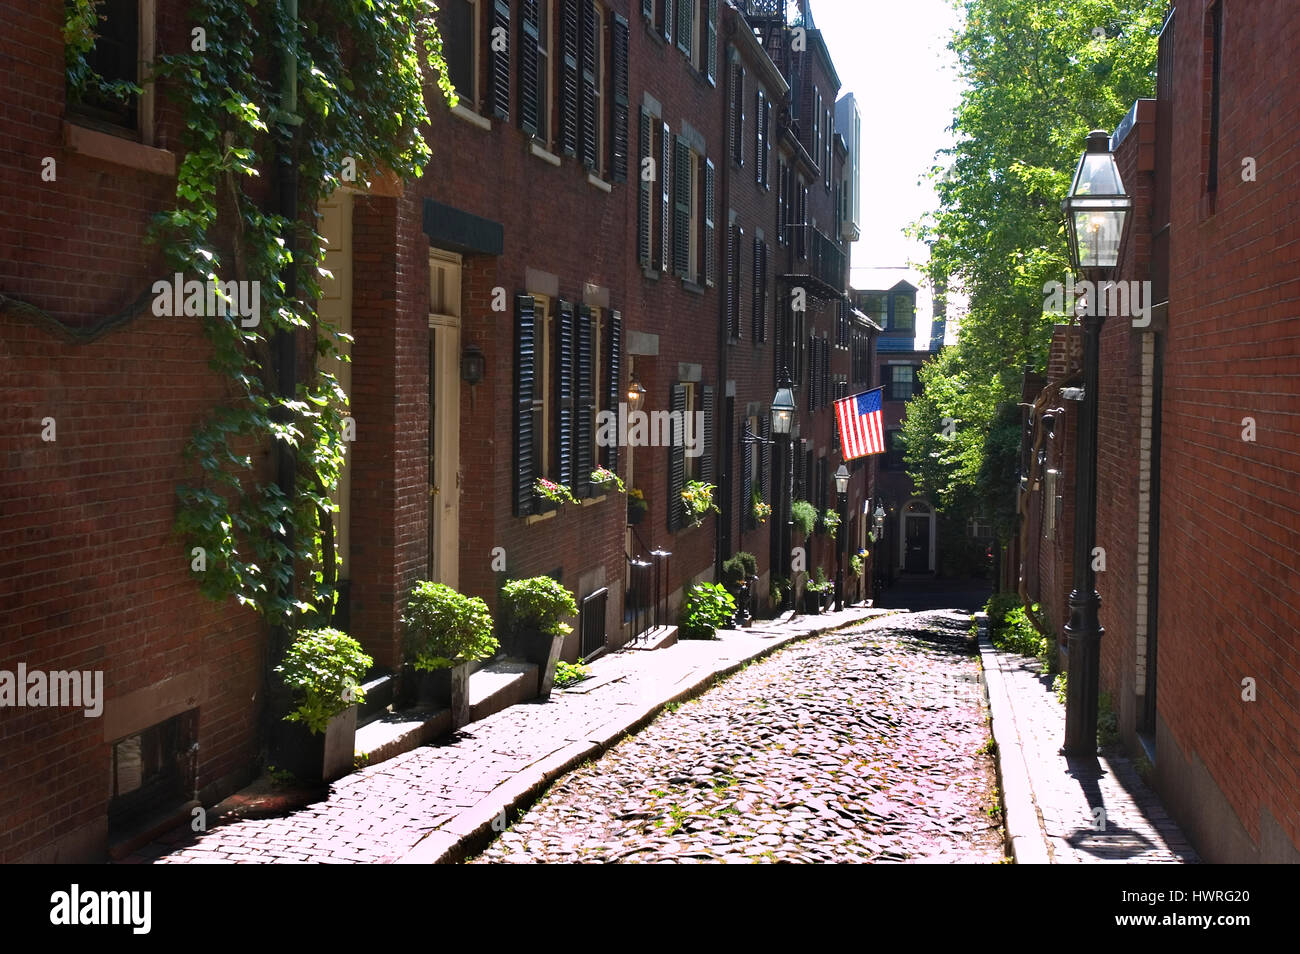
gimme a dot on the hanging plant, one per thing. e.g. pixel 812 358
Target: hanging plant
pixel 360 78
pixel 697 501
pixel 605 479
pixel 830 523
pixel 760 510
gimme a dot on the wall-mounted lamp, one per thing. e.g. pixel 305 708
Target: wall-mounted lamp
pixel 473 365
pixel 635 394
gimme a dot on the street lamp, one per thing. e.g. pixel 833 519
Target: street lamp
pixel 1096 214
pixel 783 408
pixel 842 491
pixel 635 394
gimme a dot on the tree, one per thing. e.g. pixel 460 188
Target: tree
pixel 1039 76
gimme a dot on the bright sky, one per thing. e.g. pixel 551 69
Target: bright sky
pixel 893 56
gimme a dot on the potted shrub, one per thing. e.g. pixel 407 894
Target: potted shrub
pixel 637 506
pixel 323 670
pixel 697 502
pixel 445 632
pixel 804 516
pixel 707 608
pixel 738 574
pixel 534 611
pixel 815 593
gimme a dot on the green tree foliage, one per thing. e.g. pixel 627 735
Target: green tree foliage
pixel 1039 75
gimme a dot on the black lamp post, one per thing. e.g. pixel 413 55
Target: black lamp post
pixel 1096 214
pixel 842 534
pixel 783 408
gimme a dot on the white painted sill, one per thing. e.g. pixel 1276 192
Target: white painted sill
pixel 599 183
pixel 471 117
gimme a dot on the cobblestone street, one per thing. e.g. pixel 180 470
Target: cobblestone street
pixel 864 745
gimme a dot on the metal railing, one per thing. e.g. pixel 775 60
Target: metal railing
pixel 818 256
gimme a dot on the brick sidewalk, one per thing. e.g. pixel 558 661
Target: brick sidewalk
pixel 431 803
pixel 1052 813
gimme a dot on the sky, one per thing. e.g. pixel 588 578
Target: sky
pixel 893 56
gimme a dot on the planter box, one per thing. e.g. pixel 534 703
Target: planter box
pixel 543 650
pixel 312 757
pixel 447 689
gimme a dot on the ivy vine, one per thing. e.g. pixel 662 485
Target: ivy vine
pixel 361 80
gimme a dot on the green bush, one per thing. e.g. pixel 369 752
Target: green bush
pixel 1017 634
pixel 570 674
pixel 857 564
pixel 707 608
pixel 804 516
pixel 998 606
pixel 323 668
pixel 831 523
pixel 737 569
pixel 538 604
pixel 777 588
pixel 444 628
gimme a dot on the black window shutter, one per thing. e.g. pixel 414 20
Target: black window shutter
pixel 812 374
pixel 564 392
pixel 826 371
pixel 738 114
pixel 759 150
pixel 676 458
pixel 746 478
pixel 684 10
pixel 767 143
pixel 780 203
pixel 499 36
pixel 736 278
pixel 711 41
pixel 584 442
pixel 525 383
pixel 665 198
pixel 758 291
pixel 613 385
pixel 710 231
pixel 733 260
pixel 570 88
pixel 706 452
pixel 529 92
pixel 763 290
pixel 765 460
pixel 647 8
pixel 682 208
pixel 644 198
pixel 618 124
pixel 590 67
pixel 666 19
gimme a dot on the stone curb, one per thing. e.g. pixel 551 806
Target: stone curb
pixel 471 831
pixel 1025 838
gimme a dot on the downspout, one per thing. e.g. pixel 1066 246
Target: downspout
pixel 720 401
pixel 283 346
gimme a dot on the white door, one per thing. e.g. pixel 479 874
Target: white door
pixel 336 308
pixel 444 417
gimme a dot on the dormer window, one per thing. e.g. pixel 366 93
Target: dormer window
pixel 902 312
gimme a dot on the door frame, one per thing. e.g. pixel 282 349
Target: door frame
pixel 902 532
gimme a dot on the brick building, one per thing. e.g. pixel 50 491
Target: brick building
pixel 1196 461
pixel 499 307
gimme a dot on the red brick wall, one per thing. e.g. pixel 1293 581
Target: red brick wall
pixel 1230 527
pixel 90 575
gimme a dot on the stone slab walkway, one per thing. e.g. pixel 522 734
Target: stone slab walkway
pixel 441 801
pixel 1062 811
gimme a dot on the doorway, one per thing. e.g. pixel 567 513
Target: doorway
pixel 917 538
pixel 335 307
pixel 445 269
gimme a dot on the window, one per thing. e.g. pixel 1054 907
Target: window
pixel 534 67
pixel 902 312
pixel 543 431
pixel 688 211
pixel 152 770
pixel 593 76
pixel 1215 28
pixel 876 307
pixel 893 450
pixel 460 45
pixel 980 527
pixel 900 382
pixel 122 39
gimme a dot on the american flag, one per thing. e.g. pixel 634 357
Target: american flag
pixel 862 429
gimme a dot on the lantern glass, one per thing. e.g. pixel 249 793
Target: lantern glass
pixel 842 480
pixel 635 395
pixel 1097 207
pixel 783 411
